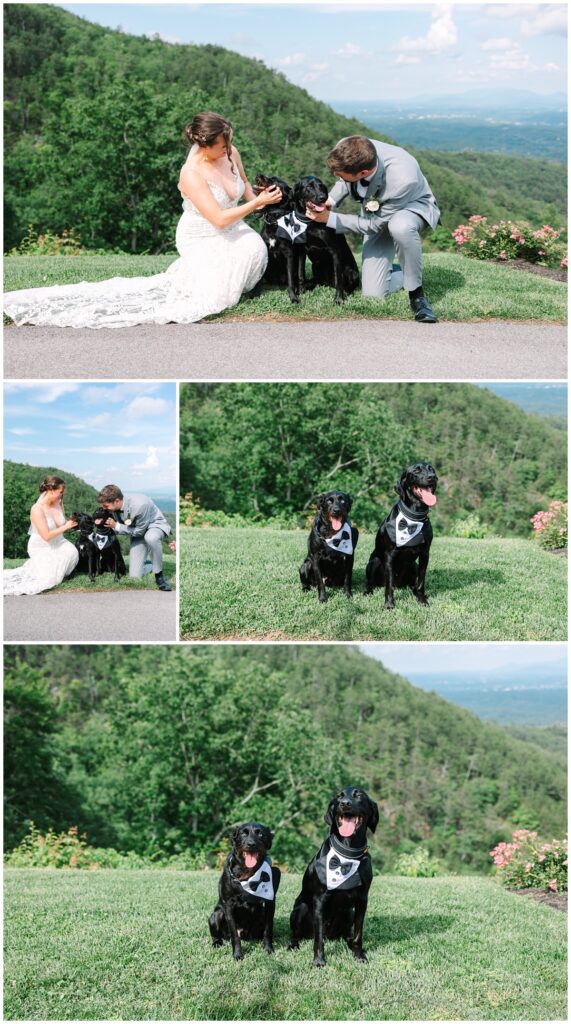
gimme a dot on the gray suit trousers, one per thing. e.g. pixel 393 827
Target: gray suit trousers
pixel 152 543
pixel 400 234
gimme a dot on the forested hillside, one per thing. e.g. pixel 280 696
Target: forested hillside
pixel 21 491
pixel 265 450
pixel 161 750
pixel 94 134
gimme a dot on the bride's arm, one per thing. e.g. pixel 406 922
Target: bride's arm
pixel 193 185
pixel 39 520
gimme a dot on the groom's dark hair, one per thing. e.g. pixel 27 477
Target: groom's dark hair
pixel 110 493
pixel 354 154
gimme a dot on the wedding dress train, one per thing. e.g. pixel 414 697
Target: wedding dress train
pixel 50 561
pixel 215 268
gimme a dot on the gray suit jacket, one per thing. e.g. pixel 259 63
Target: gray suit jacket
pixel 143 513
pixel 398 184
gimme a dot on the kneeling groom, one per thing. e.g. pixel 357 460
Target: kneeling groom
pixel 145 524
pixel 396 206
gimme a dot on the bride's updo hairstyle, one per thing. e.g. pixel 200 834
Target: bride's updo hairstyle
pixel 50 483
pixel 205 128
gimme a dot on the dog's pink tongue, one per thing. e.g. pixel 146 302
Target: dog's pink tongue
pixel 250 860
pixel 427 496
pixel 346 826
pixel 336 524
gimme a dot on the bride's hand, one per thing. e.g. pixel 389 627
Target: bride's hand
pixel 70 524
pixel 268 197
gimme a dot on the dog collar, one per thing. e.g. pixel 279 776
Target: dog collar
pixel 102 540
pixel 335 869
pixel 292 227
pixel 261 884
pixel 342 540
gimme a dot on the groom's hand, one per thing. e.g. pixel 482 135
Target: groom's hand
pixel 322 217
pixel 172 545
pixel 112 523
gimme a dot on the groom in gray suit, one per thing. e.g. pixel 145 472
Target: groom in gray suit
pixel 396 206
pixel 145 524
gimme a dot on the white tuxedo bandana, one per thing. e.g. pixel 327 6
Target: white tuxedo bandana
pixel 261 883
pixel 342 540
pixel 102 540
pixel 404 528
pixel 291 226
pixel 339 870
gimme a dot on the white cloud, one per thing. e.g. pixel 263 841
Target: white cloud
pixel 152 461
pixel 441 35
pixel 550 20
pixel 291 60
pixel 497 44
pixel 145 406
pixel 46 392
pixel 404 58
pixel 21 431
pixel 352 50
pixel 103 419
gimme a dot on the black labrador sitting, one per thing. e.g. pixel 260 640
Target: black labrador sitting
pixel 332 261
pixel 335 889
pixel 87 549
pixel 110 558
pixel 402 544
pixel 286 254
pixel 246 891
pixel 330 546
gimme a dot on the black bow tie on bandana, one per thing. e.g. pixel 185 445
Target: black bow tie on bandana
pixel 264 877
pixel 293 228
pixel 335 864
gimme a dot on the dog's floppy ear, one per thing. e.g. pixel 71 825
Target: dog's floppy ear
pixel 320 500
pixel 235 834
pixel 373 819
pixel 349 502
pixel 399 486
pixel 268 838
pixel 330 812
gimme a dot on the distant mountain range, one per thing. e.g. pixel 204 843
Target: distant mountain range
pixel 519 122
pixel 544 399
pixel 537 697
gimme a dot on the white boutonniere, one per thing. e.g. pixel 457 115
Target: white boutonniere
pixel 127 522
pixel 372 205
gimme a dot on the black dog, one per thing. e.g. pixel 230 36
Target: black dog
pixel 331 546
pixel 405 536
pixel 331 258
pixel 106 541
pixel 88 552
pixel 286 257
pixel 335 888
pixel 247 891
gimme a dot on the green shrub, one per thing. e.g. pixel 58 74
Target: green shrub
pixel 48 244
pixel 471 527
pixel 551 526
pixel 529 862
pixel 192 514
pixel 417 865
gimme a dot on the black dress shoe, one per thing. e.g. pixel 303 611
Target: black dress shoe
pixel 161 582
pixel 422 311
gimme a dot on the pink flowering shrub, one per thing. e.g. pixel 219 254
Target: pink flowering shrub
pixel 47 244
pixel 529 862
pixel 564 263
pixel 509 241
pixel 551 526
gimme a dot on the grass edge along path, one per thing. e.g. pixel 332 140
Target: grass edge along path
pixel 134 945
pixel 105 582
pixel 459 289
pixel 244 584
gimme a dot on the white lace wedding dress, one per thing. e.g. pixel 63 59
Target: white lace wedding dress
pixel 215 268
pixel 49 563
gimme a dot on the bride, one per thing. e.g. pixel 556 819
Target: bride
pixel 52 557
pixel 220 256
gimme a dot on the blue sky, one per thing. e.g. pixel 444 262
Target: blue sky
pixel 370 51
pixel 104 433
pixel 405 658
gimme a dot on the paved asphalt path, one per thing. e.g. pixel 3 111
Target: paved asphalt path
pixel 130 615
pixel 278 350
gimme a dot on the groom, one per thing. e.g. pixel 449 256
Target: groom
pixel 397 205
pixel 145 524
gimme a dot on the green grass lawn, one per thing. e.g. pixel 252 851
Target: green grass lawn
pixel 244 584
pixel 106 581
pixel 459 289
pixel 134 945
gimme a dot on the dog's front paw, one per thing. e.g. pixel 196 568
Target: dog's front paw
pixel 319 961
pixel 217 943
pixel 389 605
pixel 322 598
pixel 360 954
pixel 238 954
pixel 348 593
pixel 293 945
pixel 339 300
pixel 269 948
pixel 422 599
